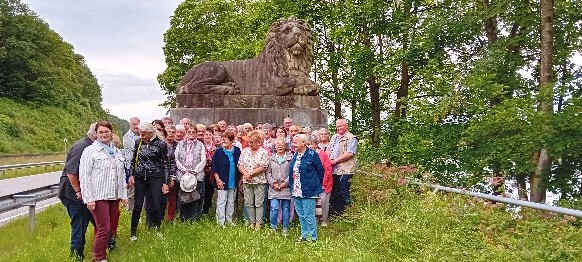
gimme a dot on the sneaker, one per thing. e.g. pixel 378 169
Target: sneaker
pixel 301 239
pixel 324 223
pixel 133 238
pixel 285 233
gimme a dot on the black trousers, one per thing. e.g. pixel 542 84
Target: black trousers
pixel 192 211
pixel 151 188
pixel 208 195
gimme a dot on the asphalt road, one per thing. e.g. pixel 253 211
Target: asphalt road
pixel 21 184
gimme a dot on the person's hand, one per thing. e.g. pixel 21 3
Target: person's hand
pixel 220 184
pixel 124 202
pixel 130 182
pixel 276 186
pixel 79 195
pixel 165 188
pixel 333 162
pixel 91 205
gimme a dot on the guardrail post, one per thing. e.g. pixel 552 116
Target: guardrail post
pixel 31 216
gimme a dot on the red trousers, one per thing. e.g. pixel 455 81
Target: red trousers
pixel 172 197
pixel 105 212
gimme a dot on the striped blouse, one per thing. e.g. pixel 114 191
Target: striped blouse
pixel 102 176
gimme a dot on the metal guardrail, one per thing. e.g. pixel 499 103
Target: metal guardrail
pixel 29 199
pixel 5 168
pixel 506 200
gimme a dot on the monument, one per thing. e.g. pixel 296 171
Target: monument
pixel 265 89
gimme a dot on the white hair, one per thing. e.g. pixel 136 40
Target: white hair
pixel 180 127
pixel 303 138
pixel 146 127
pixel 92 132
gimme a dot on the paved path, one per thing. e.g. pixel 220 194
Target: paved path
pixel 20 184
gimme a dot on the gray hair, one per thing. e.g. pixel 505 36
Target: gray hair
pixel 267 126
pixel 247 125
pixel 303 138
pixel 146 127
pixel 281 140
pixel 180 127
pixel 92 132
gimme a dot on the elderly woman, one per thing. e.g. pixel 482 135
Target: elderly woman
pixel 224 162
pixel 102 177
pixel 191 159
pixel 252 165
pixel 305 178
pixel 180 133
pixel 269 142
pixel 173 184
pixel 150 172
pixel 327 183
pixel 241 137
pixel 278 180
pixel 323 136
pixel 210 147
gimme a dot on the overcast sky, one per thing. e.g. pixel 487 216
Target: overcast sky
pixel 122 42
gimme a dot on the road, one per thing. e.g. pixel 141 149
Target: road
pixel 21 184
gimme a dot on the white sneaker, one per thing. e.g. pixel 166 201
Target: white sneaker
pixel 133 238
pixel 284 232
pixel 324 224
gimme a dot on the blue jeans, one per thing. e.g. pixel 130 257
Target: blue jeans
pixel 285 206
pixel 305 208
pixel 80 218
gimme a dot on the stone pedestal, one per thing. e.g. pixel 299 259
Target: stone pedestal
pixel 239 109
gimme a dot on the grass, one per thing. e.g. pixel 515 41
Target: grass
pixel 387 222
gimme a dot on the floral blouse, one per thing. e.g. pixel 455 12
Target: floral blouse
pixel 297 177
pixel 250 161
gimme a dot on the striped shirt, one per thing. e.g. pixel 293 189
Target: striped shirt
pixel 102 177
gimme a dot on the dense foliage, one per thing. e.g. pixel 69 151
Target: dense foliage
pixel 451 86
pixel 47 92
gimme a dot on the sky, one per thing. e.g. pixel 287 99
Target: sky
pixel 122 42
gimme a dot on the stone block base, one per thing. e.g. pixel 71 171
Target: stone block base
pixel 245 101
pixel 314 118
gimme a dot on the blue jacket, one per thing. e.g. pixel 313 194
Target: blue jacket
pixel 310 173
pixel 221 165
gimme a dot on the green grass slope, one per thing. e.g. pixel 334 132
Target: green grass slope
pixel 387 222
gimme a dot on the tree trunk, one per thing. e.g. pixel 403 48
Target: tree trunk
pixel 402 94
pixel 374 90
pixel 521 187
pixel 538 192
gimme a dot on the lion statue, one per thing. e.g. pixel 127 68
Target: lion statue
pixel 282 67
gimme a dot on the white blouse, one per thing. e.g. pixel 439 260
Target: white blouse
pixel 102 176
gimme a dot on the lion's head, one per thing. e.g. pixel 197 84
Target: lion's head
pixel 289 48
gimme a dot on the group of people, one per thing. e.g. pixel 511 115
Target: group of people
pixel 276 171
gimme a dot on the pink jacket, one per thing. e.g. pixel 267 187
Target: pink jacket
pixel 327 176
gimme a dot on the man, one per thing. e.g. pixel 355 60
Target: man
pixel 167 121
pixel 342 153
pixel 287 122
pixel 293 131
pixel 222 126
pixel 129 139
pixel 186 123
pixel 71 196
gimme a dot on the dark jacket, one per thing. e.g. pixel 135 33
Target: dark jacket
pixel 152 160
pixel 310 173
pixel 172 159
pixel 221 165
pixel 72 167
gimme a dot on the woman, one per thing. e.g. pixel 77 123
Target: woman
pixel 224 162
pixel 241 137
pixel 252 165
pixel 305 178
pixel 102 179
pixel 327 183
pixel 180 133
pixel 150 172
pixel 278 180
pixel 208 176
pixel 269 143
pixel 173 185
pixel 200 130
pixel 191 159
pixel 160 129
pixel 323 136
